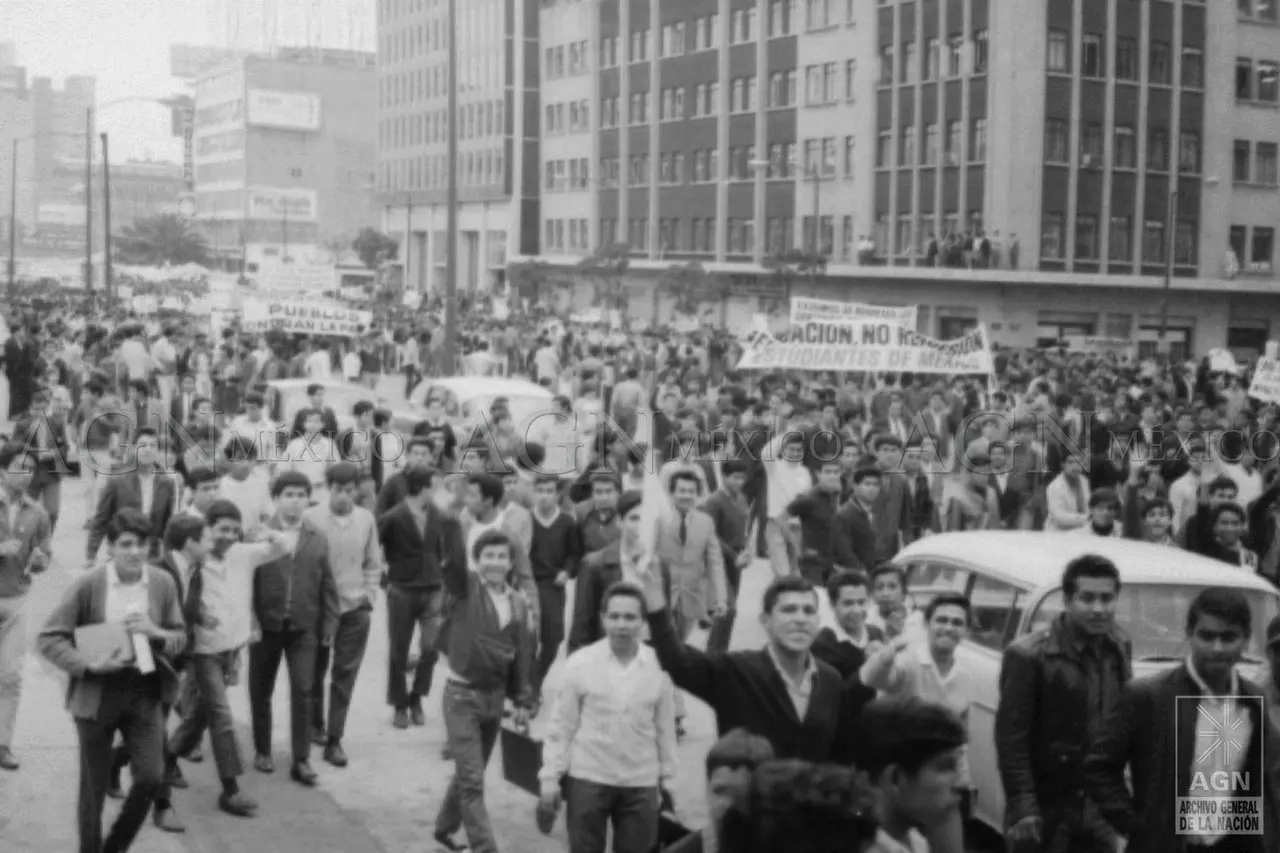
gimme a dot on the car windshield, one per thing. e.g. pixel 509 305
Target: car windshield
pixel 1154 617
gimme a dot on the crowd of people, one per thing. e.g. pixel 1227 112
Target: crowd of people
pixel 225 532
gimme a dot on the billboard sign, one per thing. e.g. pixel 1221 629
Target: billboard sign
pixel 189 61
pixel 60 213
pixel 277 203
pixel 284 110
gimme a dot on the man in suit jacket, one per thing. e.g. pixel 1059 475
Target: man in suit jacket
pixel 119 691
pixel 145 488
pixel 315 402
pixel 47 434
pixel 1008 488
pixel 21 366
pixel 687 541
pixel 183 405
pixel 295 601
pixel 1163 733
pixel 891 515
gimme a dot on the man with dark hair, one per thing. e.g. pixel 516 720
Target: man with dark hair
pixel 554 557
pixel 730 764
pixel 144 488
pixel 45 433
pixel 845 644
pixel 418 454
pixel 802 807
pixel 1202 697
pixel 417 539
pixel 483 513
pixel 120 692
pixel 355 559
pixel 891 513
pixel 1058 685
pixel 25 533
pixel 911 752
pixel 315 403
pixel 731 515
pixel 295 603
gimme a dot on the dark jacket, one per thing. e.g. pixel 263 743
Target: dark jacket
pixel 856 528
pixel 124 491
pixel 599 571
pixel 1042 719
pixel 298 587
pixel 823 542
pixel 732 520
pixel 1152 733
pixel 745 690
pixel 412 553
pixel 391 493
pixel 479 651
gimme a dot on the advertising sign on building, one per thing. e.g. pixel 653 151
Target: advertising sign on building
pixel 60 213
pixel 283 110
pixel 305 318
pixel 274 203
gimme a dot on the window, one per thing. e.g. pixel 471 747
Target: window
pixel 1059 55
pixel 672 40
pixel 820 14
pixel 907 151
pixel 828 157
pixel 931 59
pixel 1237 241
pixel 955 142
pixel 639 45
pixel 929 154
pixel 848 157
pixel 1091 61
pixel 1051 236
pixel 1120 246
pixel 1184 244
pixel 850 67
pixel 978 141
pixel 980 52
pixel 1126 155
pixel 886 65
pixel 909 64
pixel 1261 248
pixel 1265 169
pixel 1157 150
pixel 1086 237
pixel 884 149
pixel 955 51
pixel 902 237
pixel 1057 141
pixel 1192 68
pixel 1091 145
pixel 810 155
pixel 1240 161
pixel 1189 152
pixel 1126 59
pixel 1268 84
pixel 996 612
pixel 1244 79
pixel 1153 242
pixel 1159 70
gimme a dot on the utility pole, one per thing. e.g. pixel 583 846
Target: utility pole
pixel 1169 229
pixel 817 228
pixel 88 204
pixel 451 248
pixel 13 218
pixel 408 241
pixel 107 283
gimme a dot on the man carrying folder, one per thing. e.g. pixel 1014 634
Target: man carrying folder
pixel 115 632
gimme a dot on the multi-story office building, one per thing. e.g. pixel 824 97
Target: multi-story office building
pixel 497 128
pixel 1095 143
pixel 141 189
pixel 285 154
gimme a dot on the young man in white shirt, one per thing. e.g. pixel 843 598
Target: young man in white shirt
pixel 256 428
pixel 610 749
pixel 310 453
pixel 246 484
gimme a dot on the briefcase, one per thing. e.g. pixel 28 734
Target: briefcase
pixel 670 830
pixel 521 759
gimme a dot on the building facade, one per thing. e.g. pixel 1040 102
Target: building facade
pixel 140 190
pixel 1095 144
pixel 285 154
pixel 498 136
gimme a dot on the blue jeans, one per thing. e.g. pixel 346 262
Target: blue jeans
pixel 590 807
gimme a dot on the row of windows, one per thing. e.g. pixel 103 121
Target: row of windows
pixel 706 165
pixel 1053 240
pixel 428 172
pixel 573 117
pixel 478 23
pixel 1257 81
pixel 475 121
pixel 1128 60
pixel 911 237
pixel 1259 10
pixel 477 72
pixel 1124 151
pixel 567 60
pixel 699 235
pixel 928 152
pixel 556 230
pixel 1256 163
pixel 1253 251
pixel 572 174
pixel 961 57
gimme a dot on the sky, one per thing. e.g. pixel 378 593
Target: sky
pixel 126 49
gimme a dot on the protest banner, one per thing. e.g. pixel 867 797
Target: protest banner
pixel 807 310
pixel 870 347
pixel 305 318
pixel 1266 381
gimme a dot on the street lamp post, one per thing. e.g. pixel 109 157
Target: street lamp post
pixel 88 204
pixel 13 218
pixel 107 283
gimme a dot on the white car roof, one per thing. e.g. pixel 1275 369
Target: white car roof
pixel 1036 560
pixel 290 384
pixel 468 387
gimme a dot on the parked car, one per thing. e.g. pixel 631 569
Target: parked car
pixel 467 400
pixel 285 397
pixel 1014 583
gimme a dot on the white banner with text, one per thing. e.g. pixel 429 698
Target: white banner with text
pixel 881 346
pixel 306 318
pixel 807 310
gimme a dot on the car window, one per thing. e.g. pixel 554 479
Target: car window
pixel 995 612
pixel 1154 617
pixel 926 579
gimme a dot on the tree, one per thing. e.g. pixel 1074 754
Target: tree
pixel 790 266
pixel 160 240
pixel 374 247
pixel 531 279
pixel 605 268
pixel 687 284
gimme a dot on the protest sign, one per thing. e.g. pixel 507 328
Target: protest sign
pixel 806 310
pixel 304 318
pixel 870 347
pixel 1222 361
pixel 1266 381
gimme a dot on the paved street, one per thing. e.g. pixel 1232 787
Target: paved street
pixel 385 800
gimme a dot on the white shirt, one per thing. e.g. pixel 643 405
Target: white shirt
pixel 228 595
pixel 164 357
pixel 252 496
pixel 317 365
pixel 125 598
pixel 147 485
pixel 310 457
pixel 136 358
pixel 351 366
pixel 502 603
pixel 261 432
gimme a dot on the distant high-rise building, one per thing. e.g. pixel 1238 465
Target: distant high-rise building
pixel 265 25
pixel 8 53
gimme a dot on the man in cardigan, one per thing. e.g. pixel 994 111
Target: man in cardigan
pixel 490 650
pixel 119 692
pixel 781 692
